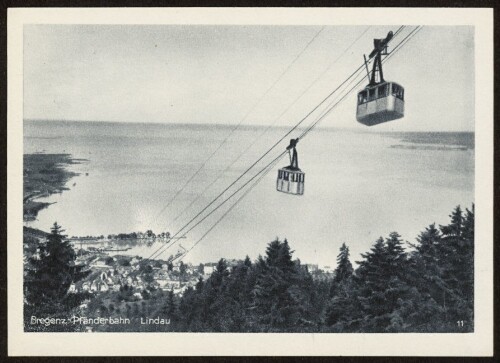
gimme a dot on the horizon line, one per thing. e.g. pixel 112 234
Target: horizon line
pixel 218 124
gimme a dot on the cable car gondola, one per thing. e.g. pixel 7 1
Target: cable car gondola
pixel 290 178
pixel 380 101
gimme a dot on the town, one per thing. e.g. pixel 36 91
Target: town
pixel 131 286
pixel 142 276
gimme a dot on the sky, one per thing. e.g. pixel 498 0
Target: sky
pixel 256 75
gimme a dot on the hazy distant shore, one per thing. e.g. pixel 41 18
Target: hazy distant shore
pixel 44 175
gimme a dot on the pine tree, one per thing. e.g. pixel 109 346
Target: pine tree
pixel 344 268
pixel 468 236
pixel 234 302
pixel 468 270
pixel 187 310
pixel 426 262
pixel 399 294
pixel 426 249
pixel 48 278
pixel 454 229
pixel 52 271
pixel 212 305
pixel 372 267
pixel 442 269
pixel 169 310
pixel 425 275
pixel 389 291
pixel 371 282
pixel 395 252
pixel 278 254
pixel 457 262
pixel 468 224
pixel 280 300
pixel 221 272
pixel 337 311
pixel 381 286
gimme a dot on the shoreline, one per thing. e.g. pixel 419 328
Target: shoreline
pixel 44 175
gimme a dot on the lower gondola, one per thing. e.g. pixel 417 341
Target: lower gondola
pixel 290 178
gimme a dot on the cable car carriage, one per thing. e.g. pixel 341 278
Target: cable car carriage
pixel 290 178
pixel 380 101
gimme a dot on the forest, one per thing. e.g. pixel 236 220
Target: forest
pixel 423 286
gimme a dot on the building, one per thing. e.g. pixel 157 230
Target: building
pixel 312 267
pixel 169 284
pixel 86 286
pixel 99 286
pixel 72 289
pixel 138 295
pixel 209 269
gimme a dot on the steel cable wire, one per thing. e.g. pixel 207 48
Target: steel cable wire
pixel 157 252
pixel 219 176
pixel 236 126
pixel 395 50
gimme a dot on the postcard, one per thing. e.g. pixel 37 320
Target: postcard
pixel 250 181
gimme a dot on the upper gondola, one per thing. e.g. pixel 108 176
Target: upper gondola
pixel 380 101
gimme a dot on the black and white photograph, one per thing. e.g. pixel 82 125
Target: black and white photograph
pixel 250 178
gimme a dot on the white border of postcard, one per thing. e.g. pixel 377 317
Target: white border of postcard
pixel 479 343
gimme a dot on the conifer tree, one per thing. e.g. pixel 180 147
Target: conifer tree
pixel 248 283
pixel 428 241
pixel 371 268
pixel 395 253
pixel 425 273
pixel 187 308
pixel 399 294
pixel 457 263
pixel 279 255
pixel 454 229
pixel 338 312
pixel 280 300
pixel 468 236
pixel 49 274
pixel 52 272
pixel 426 270
pixel 371 282
pixel 221 272
pixel 213 297
pixel 170 307
pixel 344 268
pixel 388 292
pixel 236 299
pixel 382 286
pixel 343 271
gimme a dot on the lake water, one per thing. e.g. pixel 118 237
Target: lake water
pixel 359 185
